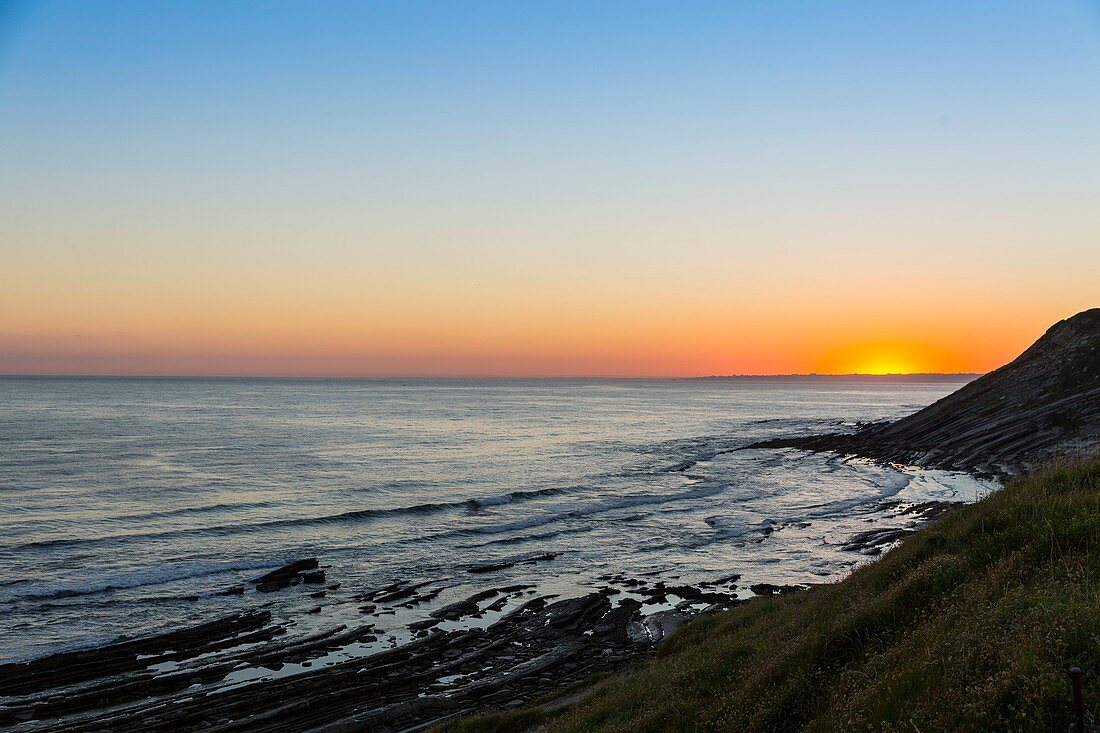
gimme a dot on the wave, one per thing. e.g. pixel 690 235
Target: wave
pixel 205 509
pixel 17 581
pixel 511 497
pixel 538 537
pixel 626 502
pixel 135 579
pixel 356 515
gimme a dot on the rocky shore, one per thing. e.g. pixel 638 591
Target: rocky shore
pixel 497 648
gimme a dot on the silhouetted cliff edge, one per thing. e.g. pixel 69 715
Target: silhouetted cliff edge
pixel 1044 403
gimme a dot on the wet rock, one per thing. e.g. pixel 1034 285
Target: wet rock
pixel 493 567
pixel 498 604
pixel 515 588
pixel 288 571
pixel 467 607
pixel 285 576
pixel 874 541
pixel 490 568
pixel 768 589
pixel 693 594
pixel 540 558
pixel 372 595
pixel 656 627
pixel 540 646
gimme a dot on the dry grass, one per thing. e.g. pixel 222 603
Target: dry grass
pixel 967 625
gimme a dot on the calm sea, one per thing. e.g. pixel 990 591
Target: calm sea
pixel 130 504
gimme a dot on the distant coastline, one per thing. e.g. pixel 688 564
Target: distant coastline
pixel 915 377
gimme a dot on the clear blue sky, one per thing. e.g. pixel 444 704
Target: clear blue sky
pixel 473 185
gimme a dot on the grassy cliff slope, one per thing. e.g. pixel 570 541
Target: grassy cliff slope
pixel 967 625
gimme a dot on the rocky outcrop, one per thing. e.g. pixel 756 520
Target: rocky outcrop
pixel 1044 403
pixel 183 680
pixel 296 572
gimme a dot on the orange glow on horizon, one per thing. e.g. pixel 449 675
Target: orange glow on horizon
pixel 482 347
pixel 892 357
pixel 578 324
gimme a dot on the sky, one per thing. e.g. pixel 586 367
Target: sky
pixel 543 189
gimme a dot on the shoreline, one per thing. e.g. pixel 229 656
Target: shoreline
pixel 499 648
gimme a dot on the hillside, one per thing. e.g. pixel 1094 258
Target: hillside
pixel 967 625
pixel 1044 403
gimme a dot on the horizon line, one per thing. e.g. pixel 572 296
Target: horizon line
pixel 423 377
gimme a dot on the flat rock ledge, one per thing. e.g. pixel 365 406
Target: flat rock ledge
pixel 178 681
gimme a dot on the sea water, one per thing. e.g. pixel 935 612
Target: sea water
pixel 130 505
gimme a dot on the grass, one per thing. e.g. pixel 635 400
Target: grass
pixel 967 625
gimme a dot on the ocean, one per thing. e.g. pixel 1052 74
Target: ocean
pixel 131 505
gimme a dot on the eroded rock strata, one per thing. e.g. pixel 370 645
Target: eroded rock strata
pixel 191 679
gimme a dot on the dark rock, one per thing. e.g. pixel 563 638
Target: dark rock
pixel 315 577
pixel 288 571
pixel 874 541
pixel 539 558
pixel 467 607
pixel 539 647
pixel 490 568
pixel 398 591
pixel 493 567
pixel 371 595
pixel 497 604
pixel 768 589
pixel 694 595
pixel 425 624
pixel 285 576
pixel 515 588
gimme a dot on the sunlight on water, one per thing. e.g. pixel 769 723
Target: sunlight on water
pixel 133 504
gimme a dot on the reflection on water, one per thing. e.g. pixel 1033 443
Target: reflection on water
pixel 131 504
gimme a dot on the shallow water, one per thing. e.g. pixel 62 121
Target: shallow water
pixel 124 498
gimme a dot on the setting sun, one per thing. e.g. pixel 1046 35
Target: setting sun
pixel 890 357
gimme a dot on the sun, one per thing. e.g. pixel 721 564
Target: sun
pixel 887 357
pixel 885 364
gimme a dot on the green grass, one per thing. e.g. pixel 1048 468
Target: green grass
pixel 966 626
